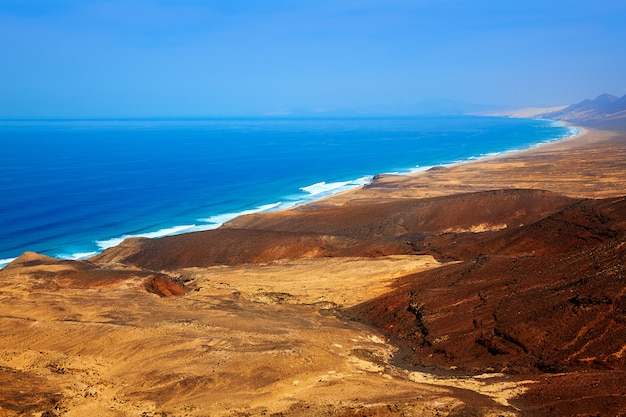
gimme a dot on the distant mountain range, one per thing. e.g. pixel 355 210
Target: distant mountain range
pixel 605 111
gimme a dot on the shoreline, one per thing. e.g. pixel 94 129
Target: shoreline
pixel 321 191
pixel 315 194
pixel 518 169
pixel 577 131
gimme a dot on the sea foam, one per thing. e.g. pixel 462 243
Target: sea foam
pixel 314 191
pixel 109 243
pixel 212 222
pixel 219 219
pixel 78 255
pixel 5 262
pixel 324 189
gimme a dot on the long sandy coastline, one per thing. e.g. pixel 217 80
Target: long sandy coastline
pixel 333 198
pixel 488 172
pixel 590 164
pixel 587 165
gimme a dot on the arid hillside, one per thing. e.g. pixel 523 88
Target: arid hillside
pixel 546 298
pixel 379 228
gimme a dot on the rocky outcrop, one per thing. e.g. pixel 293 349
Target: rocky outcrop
pixel 53 274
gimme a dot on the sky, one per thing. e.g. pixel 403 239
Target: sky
pixel 197 58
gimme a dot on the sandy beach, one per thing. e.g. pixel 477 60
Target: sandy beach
pixel 588 165
pixel 494 287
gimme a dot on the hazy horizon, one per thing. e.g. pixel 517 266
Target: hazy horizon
pixel 193 58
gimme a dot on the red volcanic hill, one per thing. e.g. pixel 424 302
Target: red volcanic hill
pixel 547 297
pixel 369 229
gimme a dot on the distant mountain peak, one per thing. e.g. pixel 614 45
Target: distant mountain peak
pixel 605 111
pixel 606 98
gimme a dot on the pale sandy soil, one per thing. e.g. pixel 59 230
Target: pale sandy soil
pixel 328 283
pixel 246 340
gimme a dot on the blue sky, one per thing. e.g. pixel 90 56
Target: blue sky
pixel 170 58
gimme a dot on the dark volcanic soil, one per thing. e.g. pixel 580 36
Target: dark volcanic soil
pixel 549 297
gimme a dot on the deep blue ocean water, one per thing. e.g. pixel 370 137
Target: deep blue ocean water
pixel 71 188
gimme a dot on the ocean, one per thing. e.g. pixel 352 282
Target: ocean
pixel 72 188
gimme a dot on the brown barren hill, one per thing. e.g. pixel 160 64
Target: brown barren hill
pixel 549 297
pixel 526 313
pixel 375 229
pixel 54 274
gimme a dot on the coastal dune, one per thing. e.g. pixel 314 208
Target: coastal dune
pixel 495 287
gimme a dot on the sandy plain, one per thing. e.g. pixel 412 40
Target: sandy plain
pixel 265 333
pixel 245 340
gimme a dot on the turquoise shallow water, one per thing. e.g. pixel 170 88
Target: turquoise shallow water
pixel 74 187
